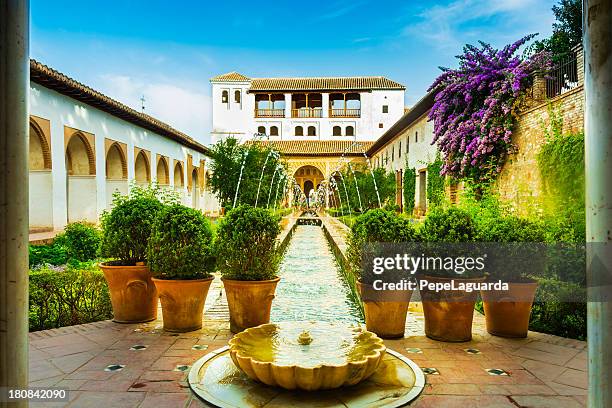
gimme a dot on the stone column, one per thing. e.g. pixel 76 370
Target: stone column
pixel 14 91
pixel 287 105
pixel 597 26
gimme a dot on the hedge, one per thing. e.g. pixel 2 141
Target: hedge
pixel 68 296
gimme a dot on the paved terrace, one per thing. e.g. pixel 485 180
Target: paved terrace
pixel 140 365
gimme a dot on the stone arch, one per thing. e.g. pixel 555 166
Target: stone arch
pixel 195 190
pixel 308 176
pixel 178 175
pixel 142 168
pixel 116 162
pixel 163 174
pixel 40 153
pixel 80 158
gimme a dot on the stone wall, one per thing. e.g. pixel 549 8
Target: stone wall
pixel 519 183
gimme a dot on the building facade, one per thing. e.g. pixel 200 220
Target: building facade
pixel 309 109
pixel 408 144
pixel 84 146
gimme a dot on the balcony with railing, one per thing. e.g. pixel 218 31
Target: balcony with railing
pixel 344 105
pixel 307 105
pixel 269 113
pixel 307 112
pixel 269 106
pixel 344 113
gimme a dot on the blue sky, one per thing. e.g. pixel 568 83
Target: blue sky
pixel 167 51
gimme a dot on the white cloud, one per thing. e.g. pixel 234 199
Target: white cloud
pixel 450 26
pixel 185 107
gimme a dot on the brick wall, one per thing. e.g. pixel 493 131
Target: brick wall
pixel 519 183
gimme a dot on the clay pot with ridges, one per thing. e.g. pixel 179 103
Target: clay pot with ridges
pixel 249 302
pixel 386 319
pixel 449 313
pixel 132 292
pixel 182 302
pixel 507 312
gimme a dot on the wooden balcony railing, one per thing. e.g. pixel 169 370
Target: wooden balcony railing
pixel 345 113
pixel 269 113
pixel 307 113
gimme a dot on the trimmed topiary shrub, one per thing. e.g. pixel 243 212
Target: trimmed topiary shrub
pixel 81 241
pixel 64 297
pixel 180 244
pixel 127 227
pixel 448 225
pixel 246 245
pixel 373 227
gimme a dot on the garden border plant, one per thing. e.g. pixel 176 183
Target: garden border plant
pixel 248 257
pixel 180 258
pixel 385 314
pixel 125 233
pixel 448 313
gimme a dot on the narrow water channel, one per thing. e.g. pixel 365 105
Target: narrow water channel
pixel 311 285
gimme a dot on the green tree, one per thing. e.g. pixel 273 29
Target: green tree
pixel 228 157
pixel 567 30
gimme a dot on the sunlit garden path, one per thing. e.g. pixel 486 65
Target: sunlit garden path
pixel 117 365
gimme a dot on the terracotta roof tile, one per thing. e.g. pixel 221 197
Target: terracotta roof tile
pixel 331 83
pixel 230 77
pixel 317 147
pixel 55 80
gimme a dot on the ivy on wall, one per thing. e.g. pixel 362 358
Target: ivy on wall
pixel 435 182
pixel 409 183
pixel 561 165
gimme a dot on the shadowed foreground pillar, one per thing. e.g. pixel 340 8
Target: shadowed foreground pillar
pixel 14 86
pixel 597 25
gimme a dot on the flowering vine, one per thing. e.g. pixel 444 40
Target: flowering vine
pixel 474 111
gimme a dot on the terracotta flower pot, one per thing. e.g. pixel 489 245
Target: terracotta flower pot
pixel 132 292
pixel 249 302
pixel 449 313
pixel 182 302
pixel 386 319
pixel 507 312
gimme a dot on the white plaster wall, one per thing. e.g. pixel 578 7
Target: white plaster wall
pixel 232 118
pixel 421 151
pixel 81 207
pixel 115 185
pixel 41 195
pixel 62 111
pixel 241 122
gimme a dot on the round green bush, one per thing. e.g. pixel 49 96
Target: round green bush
pixel 80 240
pixel 246 245
pixel 180 244
pixel 510 228
pixel 127 227
pixel 373 227
pixel 450 224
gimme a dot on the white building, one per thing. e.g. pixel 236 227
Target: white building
pixel 407 144
pixel 340 108
pixel 84 146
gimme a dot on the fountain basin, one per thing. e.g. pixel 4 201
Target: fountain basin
pixel 307 355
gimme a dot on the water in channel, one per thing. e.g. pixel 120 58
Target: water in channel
pixel 311 285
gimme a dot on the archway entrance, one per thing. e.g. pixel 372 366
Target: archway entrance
pixel 116 173
pixel 195 190
pixel 41 183
pixel 308 177
pixel 81 180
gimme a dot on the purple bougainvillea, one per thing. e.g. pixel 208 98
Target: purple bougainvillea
pixel 474 112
